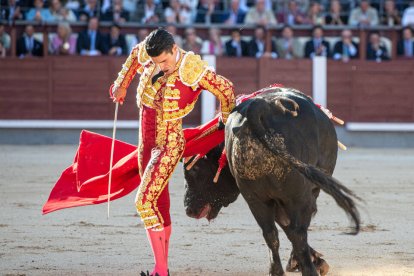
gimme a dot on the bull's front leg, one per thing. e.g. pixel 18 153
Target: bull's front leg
pixel 264 214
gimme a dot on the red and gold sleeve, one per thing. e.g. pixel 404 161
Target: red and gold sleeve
pixel 222 88
pixel 129 69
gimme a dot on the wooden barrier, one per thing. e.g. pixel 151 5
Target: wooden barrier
pixel 361 91
pixel 77 87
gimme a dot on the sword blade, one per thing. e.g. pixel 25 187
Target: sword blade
pixel 112 155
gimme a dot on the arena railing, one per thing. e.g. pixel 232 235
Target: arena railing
pixel 16 29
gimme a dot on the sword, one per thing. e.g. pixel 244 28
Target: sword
pixel 112 155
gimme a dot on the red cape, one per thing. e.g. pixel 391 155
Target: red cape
pixel 85 182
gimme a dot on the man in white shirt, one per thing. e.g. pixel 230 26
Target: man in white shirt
pixel 408 15
pixel 364 15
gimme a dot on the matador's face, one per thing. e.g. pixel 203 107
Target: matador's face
pixel 167 61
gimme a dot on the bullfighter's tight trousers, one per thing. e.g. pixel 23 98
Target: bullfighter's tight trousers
pixel 161 145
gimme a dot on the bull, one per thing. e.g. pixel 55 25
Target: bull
pixel 281 151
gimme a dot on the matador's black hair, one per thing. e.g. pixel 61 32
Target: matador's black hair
pixel 159 41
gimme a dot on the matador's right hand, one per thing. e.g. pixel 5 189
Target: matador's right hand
pixel 118 94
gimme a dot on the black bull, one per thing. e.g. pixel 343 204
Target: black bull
pixel 281 151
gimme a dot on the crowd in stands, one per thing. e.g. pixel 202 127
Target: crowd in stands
pixel 258 13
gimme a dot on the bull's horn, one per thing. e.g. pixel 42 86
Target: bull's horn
pixel 341 146
pixel 337 120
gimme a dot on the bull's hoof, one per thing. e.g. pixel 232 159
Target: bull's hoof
pixel 292 265
pixel 277 274
pixel 276 270
pixel 322 266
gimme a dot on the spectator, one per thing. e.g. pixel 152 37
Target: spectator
pixel 27 45
pixel 39 13
pixel 408 15
pixel 4 40
pixel 315 15
pixel 116 13
pixel 63 42
pixel 364 15
pixel 176 13
pixel 303 5
pixel 116 42
pixel 134 40
pixel 192 42
pixel 247 4
pixel 54 9
pixel 235 15
pixel 257 45
pixel 130 6
pixel 291 16
pixel 105 5
pixel 287 46
pixel 391 16
pixel 317 46
pixel 91 42
pixel 142 34
pixel 208 12
pixel 375 49
pixel 213 46
pixel 12 11
pixel 177 38
pixel 59 13
pixel 258 15
pixel 236 46
pixel 89 10
pixel 191 6
pixel 72 5
pixel 67 15
pixel 405 47
pixel 335 16
pixel 149 12
pixel 346 48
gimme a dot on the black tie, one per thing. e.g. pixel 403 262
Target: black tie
pixel 156 76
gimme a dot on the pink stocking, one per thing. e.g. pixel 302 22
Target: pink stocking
pixel 167 241
pixel 157 241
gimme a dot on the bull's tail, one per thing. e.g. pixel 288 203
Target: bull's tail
pixel 342 195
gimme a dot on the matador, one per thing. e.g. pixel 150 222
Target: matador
pixel 170 83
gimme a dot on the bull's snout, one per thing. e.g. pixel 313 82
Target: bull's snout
pixel 190 212
pixel 198 214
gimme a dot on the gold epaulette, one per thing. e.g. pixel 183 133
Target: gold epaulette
pixel 192 69
pixel 143 57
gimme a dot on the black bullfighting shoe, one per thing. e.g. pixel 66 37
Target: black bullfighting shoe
pixel 147 274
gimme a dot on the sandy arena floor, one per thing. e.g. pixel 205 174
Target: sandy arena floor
pixel 81 241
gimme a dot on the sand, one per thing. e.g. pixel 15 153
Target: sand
pixel 82 241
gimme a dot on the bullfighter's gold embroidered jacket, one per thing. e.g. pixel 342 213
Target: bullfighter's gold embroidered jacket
pixel 182 87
